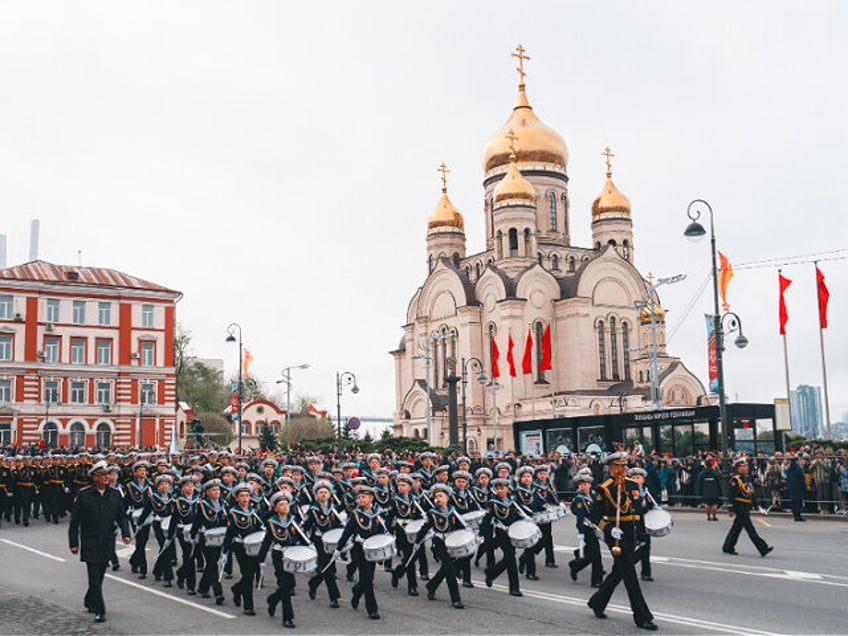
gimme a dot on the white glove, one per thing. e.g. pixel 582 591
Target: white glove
pixel 616 533
pixel 262 567
pixel 763 511
pixel 336 555
pixel 222 561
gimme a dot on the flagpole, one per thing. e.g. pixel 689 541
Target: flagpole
pixel 532 381
pixel 786 365
pixel 821 343
pixel 553 370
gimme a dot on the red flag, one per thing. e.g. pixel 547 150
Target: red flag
pixel 496 372
pixel 545 362
pixel 527 360
pixel 782 313
pixel 509 356
pixel 724 276
pixel 824 296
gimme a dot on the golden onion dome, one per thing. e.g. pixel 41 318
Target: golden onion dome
pixel 445 215
pixel 514 186
pixel 610 202
pixel 537 142
pixel 645 314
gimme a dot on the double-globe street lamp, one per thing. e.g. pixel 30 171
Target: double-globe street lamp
pixel 694 232
pixel 343 379
pixel 287 379
pixel 231 338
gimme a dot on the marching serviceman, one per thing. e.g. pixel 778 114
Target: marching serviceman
pixel 161 505
pixel 482 493
pixel 643 538
pixel 281 531
pixel 184 513
pixel 464 502
pixel 210 514
pixel 322 517
pixel 588 543
pixel 442 518
pixel 137 497
pixel 526 497
pixel 616 511
pixel 96 511
pixel 740 500
pixel 242 520
pixel 547 494
pixel 364 522
pixel 502 512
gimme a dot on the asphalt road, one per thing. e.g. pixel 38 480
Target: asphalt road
pixel 800 588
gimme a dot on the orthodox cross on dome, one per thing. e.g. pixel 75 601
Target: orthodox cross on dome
pixel 650 279
pixel 443 169
pixel 521 57
pixel 609 155
pixel 512 137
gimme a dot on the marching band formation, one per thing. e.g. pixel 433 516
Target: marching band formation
pixel 216 518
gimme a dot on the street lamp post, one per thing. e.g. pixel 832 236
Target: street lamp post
pixel 287 379
pixel 342 380
pixel 232 338
pixel 694 232
pixel 424 345
pixel 477 365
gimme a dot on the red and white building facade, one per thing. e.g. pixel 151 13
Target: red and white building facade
pixel 86 357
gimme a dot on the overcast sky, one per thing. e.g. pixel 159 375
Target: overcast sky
pixel 276 161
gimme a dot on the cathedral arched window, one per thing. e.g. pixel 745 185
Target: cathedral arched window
pixel 611 242
pixel 564 211
pixel 477 270
pixel 430 262
pixel 641 378
pixel 513 242
pixel 527 243
pixel 552 211
pixel 539 257
pixel 554 262
pixel 492 215
pixel 490 261
pixel 602 354
pixel 625 348
pixel 498 247
pixel 625 249
pixel 597 245
pixel 613 349
pixel 468 271
pixel 456 259
pixel 540 330
pixel 435 358
pixel 571 263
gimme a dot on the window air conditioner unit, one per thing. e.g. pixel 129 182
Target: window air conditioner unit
pixel 107 408
pixel 40 355
pixel 49 326
pixel 134 355
pixel 19 317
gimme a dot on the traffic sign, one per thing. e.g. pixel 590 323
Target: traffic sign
pixel 353 423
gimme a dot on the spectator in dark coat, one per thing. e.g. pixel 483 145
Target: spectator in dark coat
pixel 795 488
pixel 709 486
pixel 97 510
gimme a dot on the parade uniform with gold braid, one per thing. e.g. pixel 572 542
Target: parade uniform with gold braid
pixel 740 500
pixel 618 504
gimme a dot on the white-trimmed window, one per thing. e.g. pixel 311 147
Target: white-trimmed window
pixel 78 314
pixel 51 391
pixel 7 347
pixel 51 310
pixel 104 352
pixel 147 316
pixel 77 350
pixel 76 436
pixel 6 390
pixel 51 349
pixel 103 435
pixel 104 393
pixel 5 433
pixel 77 392
pixel 5 306
pixel 148 393
pixel 148 354
pixel 104 313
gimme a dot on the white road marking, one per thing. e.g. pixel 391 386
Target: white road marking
pixel 176 599
pixel 38 552
pixel 709 626
pixel 803 575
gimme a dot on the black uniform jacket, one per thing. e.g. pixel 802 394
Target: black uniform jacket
pixel 93 520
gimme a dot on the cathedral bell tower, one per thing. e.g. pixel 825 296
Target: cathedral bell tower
pixel 514 203
pixel 611 223
pixel 445 229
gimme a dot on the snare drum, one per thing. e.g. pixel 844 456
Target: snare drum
pixel 472 519
pixel 187 533
pixel 136 515
pixel 331 540
pixel 300 559
pixel 253 543
pixel 461 543
pixel 165 523
pixel 214 537
pixel 658 522
pixel 551 513
pixel 412 529
pixel 379 547
pixel 524 534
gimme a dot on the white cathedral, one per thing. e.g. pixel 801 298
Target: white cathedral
pixel 596 303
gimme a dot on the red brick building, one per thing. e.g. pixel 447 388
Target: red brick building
pixel 86 357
